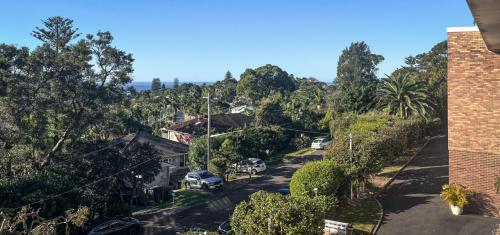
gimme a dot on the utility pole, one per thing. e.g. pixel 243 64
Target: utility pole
pixel 350 149
pixel 208 129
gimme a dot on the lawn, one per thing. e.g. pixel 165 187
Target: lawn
pixel 186 198
pixel 363 215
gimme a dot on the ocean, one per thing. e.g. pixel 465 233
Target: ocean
pixel 142 86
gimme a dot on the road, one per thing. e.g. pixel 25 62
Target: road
pixel 211 214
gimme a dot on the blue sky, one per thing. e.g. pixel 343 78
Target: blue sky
pixel 200 40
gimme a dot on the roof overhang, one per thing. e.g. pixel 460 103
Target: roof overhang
pixel 487 16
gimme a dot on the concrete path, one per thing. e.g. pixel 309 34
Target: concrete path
pixel 412 204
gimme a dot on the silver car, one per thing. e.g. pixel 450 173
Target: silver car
pixel 202 180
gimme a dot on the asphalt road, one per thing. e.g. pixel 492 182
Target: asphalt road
pixel 211 214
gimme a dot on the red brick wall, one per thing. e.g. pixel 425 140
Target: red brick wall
pixel 474 116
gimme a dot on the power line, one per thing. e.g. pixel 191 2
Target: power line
pixel 88 184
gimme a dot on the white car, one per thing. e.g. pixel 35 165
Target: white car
pixel 321 143
pixel 252 165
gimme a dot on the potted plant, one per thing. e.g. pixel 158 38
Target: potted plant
pixel 457 196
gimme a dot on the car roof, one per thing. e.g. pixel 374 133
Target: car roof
pixel 254 159
pixel 197 172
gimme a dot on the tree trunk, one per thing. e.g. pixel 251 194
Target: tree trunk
pixel 61 140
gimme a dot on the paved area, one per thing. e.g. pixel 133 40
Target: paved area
pixel 412 204
pixel 211 214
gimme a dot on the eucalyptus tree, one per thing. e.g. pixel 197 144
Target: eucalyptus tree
pixel 401 95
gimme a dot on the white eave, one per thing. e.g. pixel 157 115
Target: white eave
pixel 462 29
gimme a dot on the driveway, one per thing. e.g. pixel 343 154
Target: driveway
pixel 209 215
pixel 412 204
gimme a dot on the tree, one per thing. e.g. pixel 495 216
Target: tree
pixel 270 111
pixel 155 86
pixel 356 82
pixel 304 105
pixel 61 101
pixel 432 68
pixel 263 81
pixel 401 95
pixel 326 176
pixel 228 76
pixel 176 83
pixel 272 213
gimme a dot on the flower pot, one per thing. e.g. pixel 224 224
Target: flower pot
pixel 456 210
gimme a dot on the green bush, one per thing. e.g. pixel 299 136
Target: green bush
pixel 301 142
pixel 377 140
pixel 272 213
pixel 324 175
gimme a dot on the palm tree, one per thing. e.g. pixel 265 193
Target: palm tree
pixel 401 95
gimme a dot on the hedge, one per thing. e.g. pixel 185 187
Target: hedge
pixel 377 140
pixel 324 175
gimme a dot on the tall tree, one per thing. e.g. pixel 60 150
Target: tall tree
pixel 356 82
pixel 60 101
pixel 258 83
pixel 228 76
pixel 401 95
pixel 156 86
pixel 176 83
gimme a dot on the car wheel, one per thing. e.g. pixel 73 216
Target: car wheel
pixel 254 172
pixel 132 231
pixel 204 187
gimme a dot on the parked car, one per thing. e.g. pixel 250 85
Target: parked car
pixel 284 191
pixel 202 180
pixel 321 143
pixel 224 228
pixel 250 165
pixel 127 225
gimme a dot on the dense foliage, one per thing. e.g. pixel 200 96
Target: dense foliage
pixel 251 142
pixel 268 213
pixel 326 176
pixel 61 106
pixel 403 96
pixel 376 140
pixel 259 83
pixel 356 80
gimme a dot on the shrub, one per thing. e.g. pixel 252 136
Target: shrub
pixel 324 175
pixel 301 142
pixel 272 213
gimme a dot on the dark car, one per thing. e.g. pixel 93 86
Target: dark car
pixel 127 225
pixel 284 191
pixel 225 227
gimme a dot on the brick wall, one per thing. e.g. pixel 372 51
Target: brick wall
pixel 474 117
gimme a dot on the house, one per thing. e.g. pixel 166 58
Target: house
pixel 173 158
pixel 220 123
pixel 242 108
pixel 474 104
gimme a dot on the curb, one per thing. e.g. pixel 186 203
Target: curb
pixel 381 218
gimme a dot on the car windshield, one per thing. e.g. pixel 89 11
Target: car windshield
pixel 205 175
pixel 318 140
pixel 259 162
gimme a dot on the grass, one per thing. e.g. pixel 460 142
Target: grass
pixel 299 152
pixel 187 198
pixel 363 215
pixel 276 159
